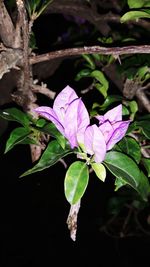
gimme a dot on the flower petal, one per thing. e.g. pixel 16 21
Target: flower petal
pixel 71 123
pixel 95 143
pixel 107 130
pixel 120 129
pixel 49 114
pixel 83 121
pixel 61 102
pixel 112 115
pixel 88 140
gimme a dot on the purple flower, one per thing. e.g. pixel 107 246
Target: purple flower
pixel 112 126
pixel 69 115
pixel 71 118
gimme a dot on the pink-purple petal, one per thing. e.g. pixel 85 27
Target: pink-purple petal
pixel 114 114
pixel 83 121
pixel 88 140
pixel 61 102
pixel 100 118
pixel 99 145
pixel 71 122
pixel 95 143
pixel 118 134
pixel 107 130
pixel 49 114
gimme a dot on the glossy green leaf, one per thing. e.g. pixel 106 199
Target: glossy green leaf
pixel 138 3
pixel 99 170
pixel 146 163
pixel 29 141
pixel 41 122
pixel 76 181
pixel 125 110
pixel 89 60
pixel 50 156
pixel 131 147
pixel 142 72
pixel 119 182
pixel 100 77
pixel 133 108
pixel 14 114
pixel 82 74
pixel 51 129
pixel 110 100
pixel 16 137
pixel 134 15
pixel 121 166
pixel 97 57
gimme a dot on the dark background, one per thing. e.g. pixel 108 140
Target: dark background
pixel 33 209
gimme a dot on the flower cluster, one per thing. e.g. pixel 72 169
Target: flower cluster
pixel 71 118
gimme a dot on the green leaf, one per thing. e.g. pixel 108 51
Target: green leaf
pixel 14 114
pixel 29 141
pixel 99 76
pixel 134 15
pixel 101 89
pixel 76 181
pixel 131 147
pixel 105 40
pixel 41 122
pixel 132 127
pixel 51 129
pixel 99 170
pixel 146 163
pixel 145 127
pixel 125 110
pixel 119 183
pixel 121 166
pixel 138 3
pixel 89 60
pixel 110 100
pixel 36 7
pixel 143 73
pixel 16 137
pixel 133 108
pixel 82 74
pixel 50 156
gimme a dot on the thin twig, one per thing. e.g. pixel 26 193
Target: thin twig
pixel 42 89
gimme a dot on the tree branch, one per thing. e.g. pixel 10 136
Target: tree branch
pixel 9 59
pixel 7 29
pixel 42 89
pixel 115 51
